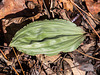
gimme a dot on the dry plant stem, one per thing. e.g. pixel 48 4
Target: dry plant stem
pixel 3 54
pixel 52 6
pixel 70 68
pixel 18 61
pixel 76 18
pixel 7 58
pixel 57 59
pixel 15 71
pixel 4 47
pixel 84 11
pixel 48 67
pixel 88 55
pixel 46 9
pixel 86 20
pixel 40 69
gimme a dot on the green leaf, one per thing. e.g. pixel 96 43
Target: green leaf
pixel 48 37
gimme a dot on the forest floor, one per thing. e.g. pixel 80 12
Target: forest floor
pixel 85 60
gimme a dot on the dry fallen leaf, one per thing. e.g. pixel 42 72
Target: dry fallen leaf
pixel 87 26
pixel 11 7
pixel 45 58
pixel 67 5
pixel 86 47
pixel 93 7
pixel 86 67
pixel 75 70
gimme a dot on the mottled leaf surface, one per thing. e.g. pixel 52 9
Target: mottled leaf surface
pixel 48 37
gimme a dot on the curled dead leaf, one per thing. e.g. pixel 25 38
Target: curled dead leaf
pixel 39 2
pixel 93 7
pixel 67 5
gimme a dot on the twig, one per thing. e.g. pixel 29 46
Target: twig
pixel 84 11
pixel 8 63
pixel 51 7
pixel 4 46
pixel 87 55
pixel 18 61
pixel 76 18
pixel 46 9
pixel 3 53
pixel 15 71
pixel 86 19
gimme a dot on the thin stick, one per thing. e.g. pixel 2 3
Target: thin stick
pixel 86 20
pixel 87 55
pixel 4 46
pixel 18 61
pixel 11 65
pixel 46 9
pixel 84 11
pixel 15 71
pixel 3 53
